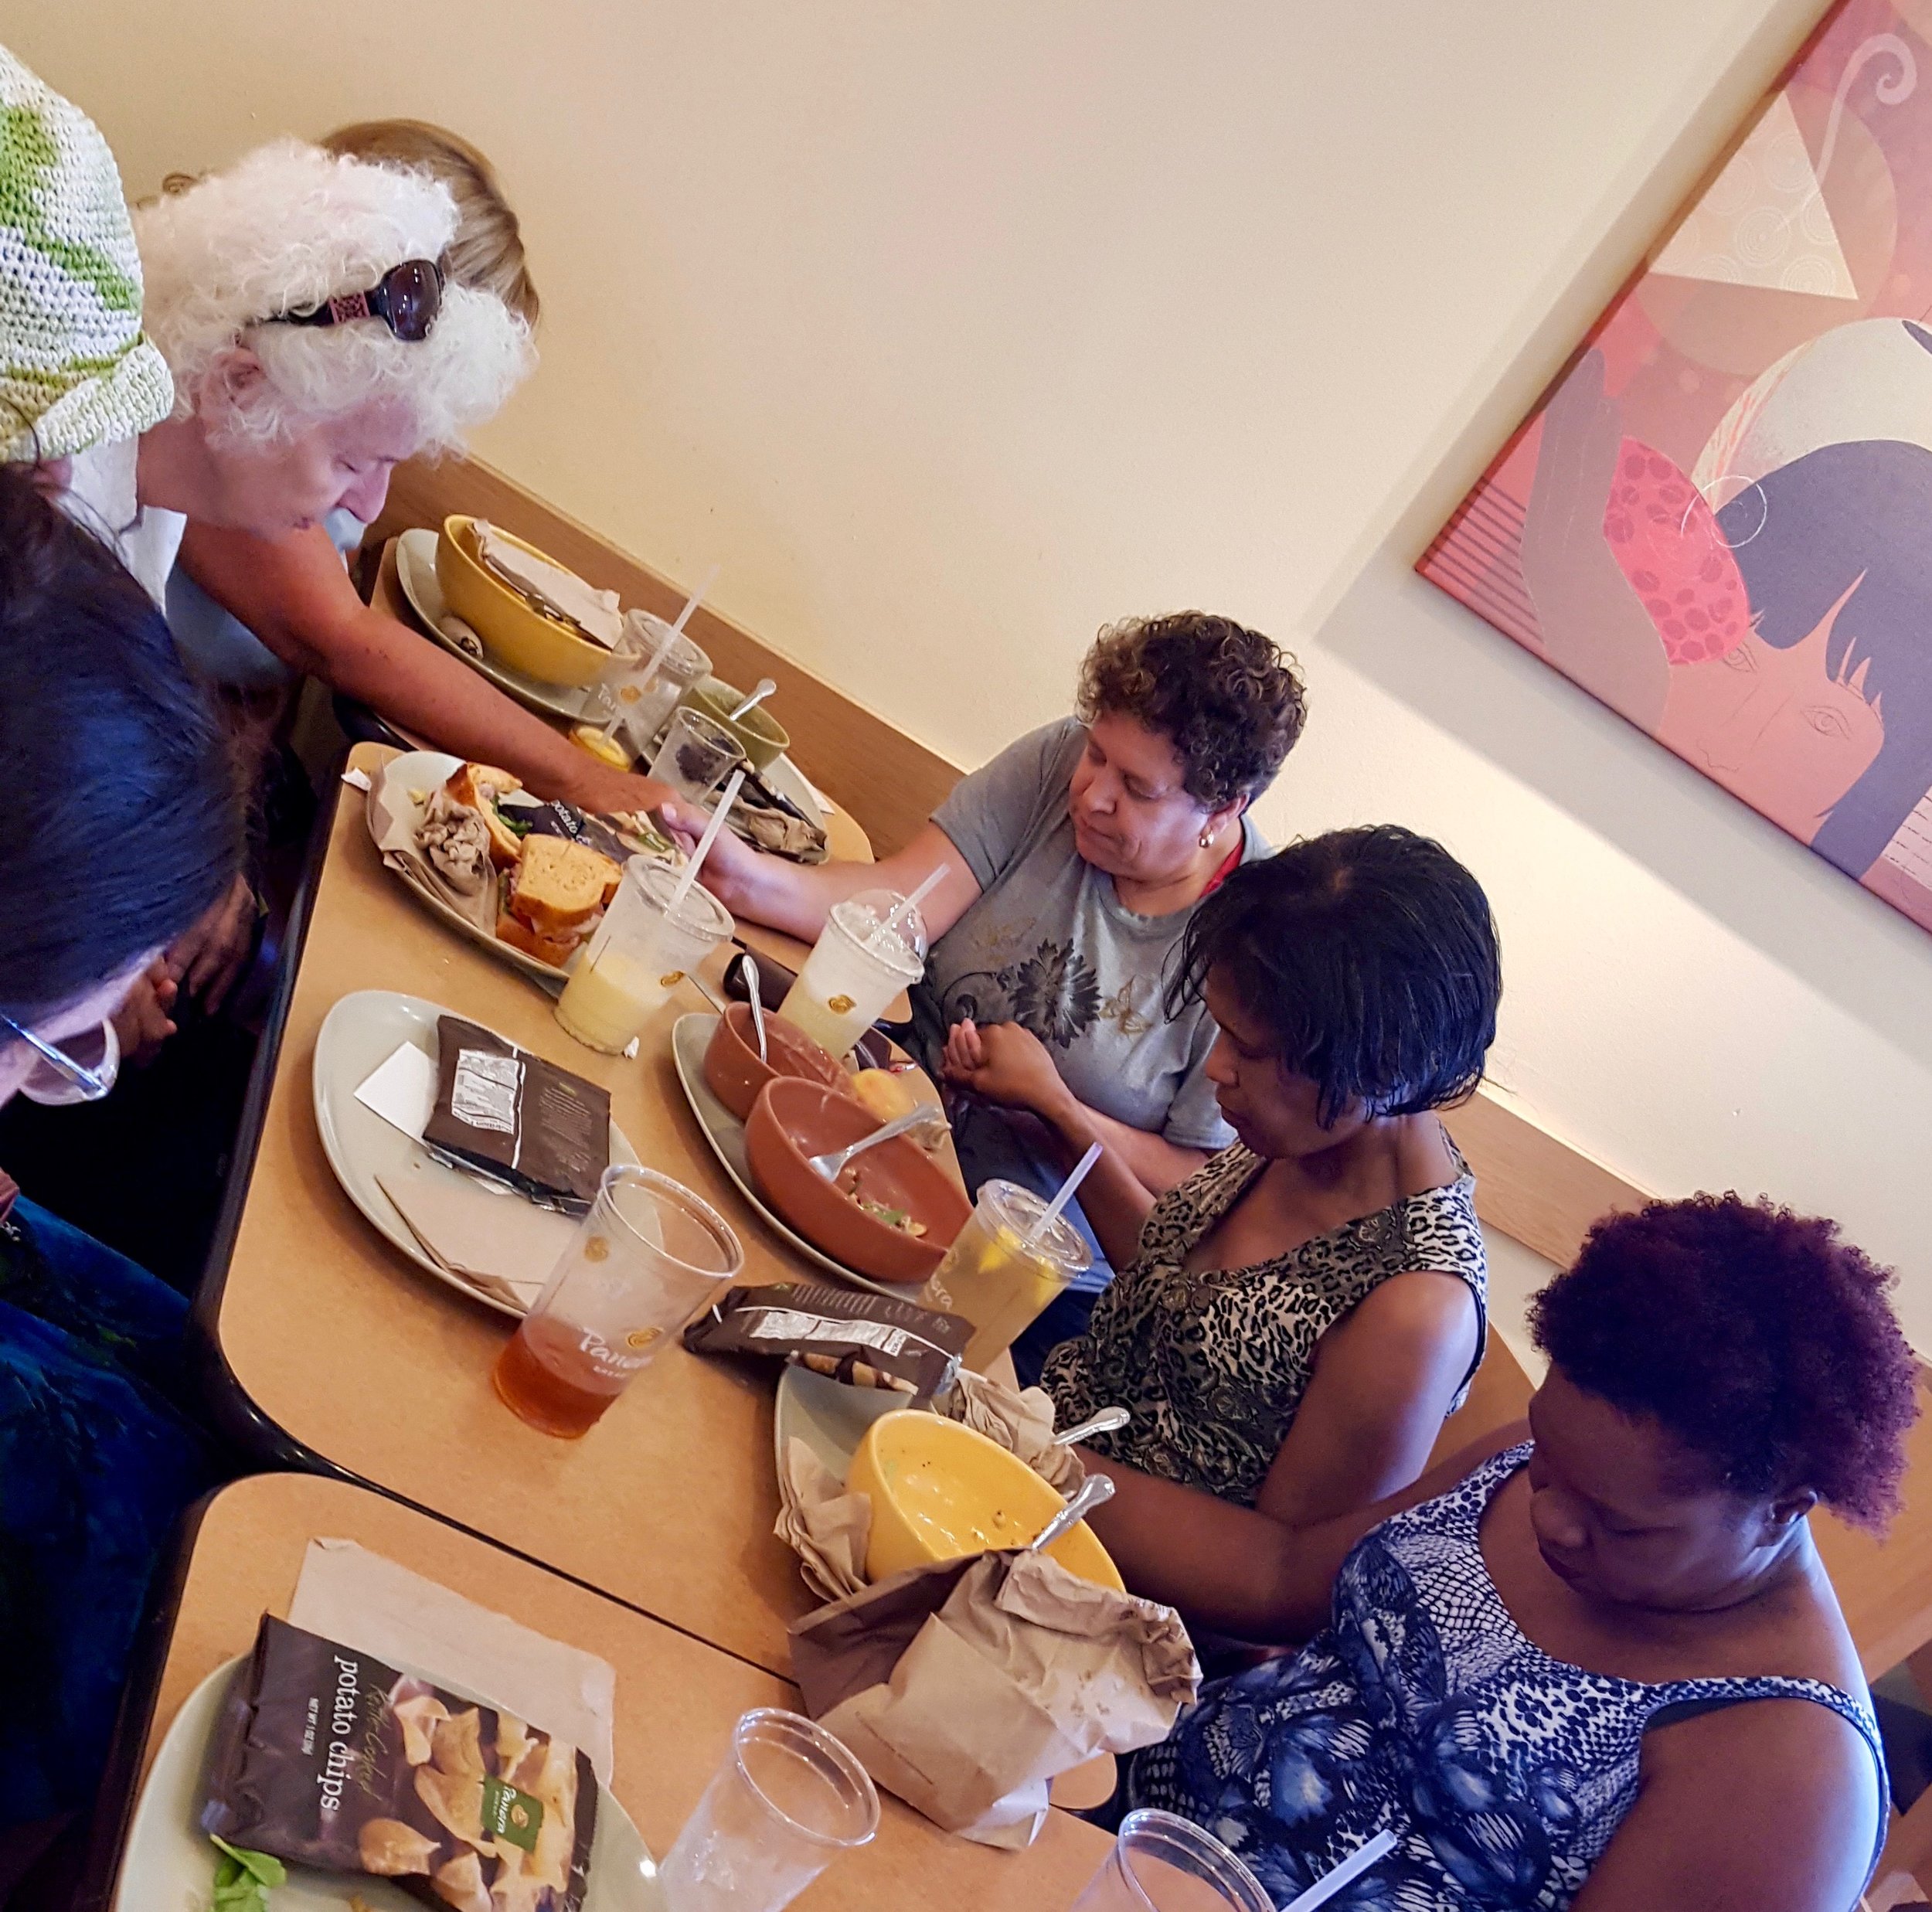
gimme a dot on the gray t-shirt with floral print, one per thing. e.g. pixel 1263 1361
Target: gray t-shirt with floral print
pixel 1050 945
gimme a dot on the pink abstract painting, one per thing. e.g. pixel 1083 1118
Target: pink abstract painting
pixel 1718 519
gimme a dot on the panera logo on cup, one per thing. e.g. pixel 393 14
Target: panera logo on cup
pixel 840 1005
pixel 641 1338
pixel 671 980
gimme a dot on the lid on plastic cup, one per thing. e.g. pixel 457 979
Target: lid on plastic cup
pixel 864 917
pixel 699 911
pixel 1018 1208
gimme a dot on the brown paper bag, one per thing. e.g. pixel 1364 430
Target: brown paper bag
pixel 965 1688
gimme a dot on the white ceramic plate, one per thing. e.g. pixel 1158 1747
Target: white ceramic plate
pixel 690 1037
pixel 829 1417
pixel 416 572
pixel 168 1863
pixel 425 772
pixel 359 1034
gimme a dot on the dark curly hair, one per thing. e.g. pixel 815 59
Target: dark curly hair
pixel 1369 955
pixel 1763 1341
pixel 1231 703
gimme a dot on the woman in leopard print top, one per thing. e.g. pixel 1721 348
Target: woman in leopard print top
pixel 1295 1320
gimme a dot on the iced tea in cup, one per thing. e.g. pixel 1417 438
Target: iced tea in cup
pixel 997 1279
pixel 862 959
pixel 638 954
pixel 649 1256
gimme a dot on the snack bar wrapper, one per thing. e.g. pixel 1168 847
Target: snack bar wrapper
pixel 325 1757
pixel 865 1339
pixel 965 1688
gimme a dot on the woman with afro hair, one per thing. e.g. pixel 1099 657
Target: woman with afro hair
pixel 1592 1661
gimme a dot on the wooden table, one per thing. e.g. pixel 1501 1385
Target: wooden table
pixel 335 1350
pixel 676 1698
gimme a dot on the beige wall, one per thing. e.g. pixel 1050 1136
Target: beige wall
pixel 951 331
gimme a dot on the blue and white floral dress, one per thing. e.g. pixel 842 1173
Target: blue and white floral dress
pixel 1425 1709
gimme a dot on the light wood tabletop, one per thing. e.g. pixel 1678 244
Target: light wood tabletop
pixel 676 1698
pixel 344 1352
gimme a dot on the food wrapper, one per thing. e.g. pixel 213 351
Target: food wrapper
pixel 323 1756
pixel 966 1687
pixel 392 823
pixel 864 1339
pixel 511 1117
pixel 1021 1420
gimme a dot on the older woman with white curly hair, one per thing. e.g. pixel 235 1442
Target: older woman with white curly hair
pixel 299 301
pixel 317 335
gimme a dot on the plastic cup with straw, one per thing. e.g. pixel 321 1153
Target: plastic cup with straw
pixel 1011 1260
pixel 657 929
pixel 647 676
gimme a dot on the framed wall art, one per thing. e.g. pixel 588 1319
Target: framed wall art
pixel 1718 519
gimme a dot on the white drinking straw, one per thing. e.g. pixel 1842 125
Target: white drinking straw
pixel 906 905
pixel 692 603
pixel 705 842
pixel 1353 1867
pixel 1051 1213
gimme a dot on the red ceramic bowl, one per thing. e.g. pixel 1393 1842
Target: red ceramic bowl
pixel 791 1120
pixel 734 1074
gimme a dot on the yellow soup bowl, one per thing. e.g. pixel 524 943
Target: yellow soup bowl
pixel 939 1491
pixel 512 630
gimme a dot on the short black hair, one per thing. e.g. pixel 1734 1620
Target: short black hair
pixel 1760 1340
pixel 1230 702
pixel 1371 958
pixel 120 825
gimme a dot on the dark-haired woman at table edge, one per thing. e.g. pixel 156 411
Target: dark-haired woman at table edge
pixel 1594 1663
pixel 118 831
pixel 1292 1323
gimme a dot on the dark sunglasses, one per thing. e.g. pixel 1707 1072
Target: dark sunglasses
pixel 406 299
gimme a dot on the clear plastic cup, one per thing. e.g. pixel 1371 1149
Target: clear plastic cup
pixel 860 961
pixel 788 1799
pixel 698 754
pixel 638 955
pixel 1161 1862
pixel 996 1278
pixel 680 664
pixel 648 1256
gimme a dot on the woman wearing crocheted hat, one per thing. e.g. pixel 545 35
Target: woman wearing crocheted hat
pixel 75 367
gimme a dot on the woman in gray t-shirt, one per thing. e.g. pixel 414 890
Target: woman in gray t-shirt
pixel 1072 863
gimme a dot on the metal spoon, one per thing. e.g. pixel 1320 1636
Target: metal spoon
pixel 757 1006
pixel 1104 1422
pixel 765 686
pixel 1095 1491
pixel 832 1164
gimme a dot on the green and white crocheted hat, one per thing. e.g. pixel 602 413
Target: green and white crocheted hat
pixel 75 370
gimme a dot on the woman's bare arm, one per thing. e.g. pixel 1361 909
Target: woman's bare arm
pixel 294 593
pixel 1232 1569
pixel 1769 1806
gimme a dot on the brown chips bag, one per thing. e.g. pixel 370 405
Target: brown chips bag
pixel 865 1339
pixel 325 1757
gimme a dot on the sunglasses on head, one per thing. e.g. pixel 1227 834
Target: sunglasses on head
pixel 406 299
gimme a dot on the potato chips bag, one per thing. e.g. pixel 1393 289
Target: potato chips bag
pixel 323 1757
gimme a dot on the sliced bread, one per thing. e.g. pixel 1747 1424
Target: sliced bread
pixel 479 786
pixel 558 886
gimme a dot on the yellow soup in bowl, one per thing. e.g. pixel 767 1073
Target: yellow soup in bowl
pixel 939 1490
